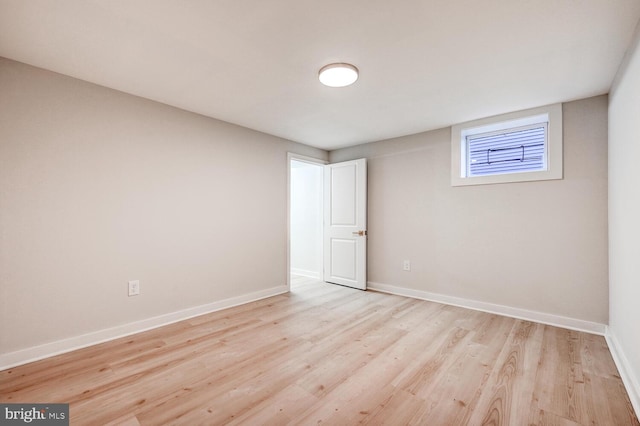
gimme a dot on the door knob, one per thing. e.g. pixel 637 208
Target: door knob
pixel 359 233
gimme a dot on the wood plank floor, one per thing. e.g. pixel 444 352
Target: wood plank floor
pixel 325 354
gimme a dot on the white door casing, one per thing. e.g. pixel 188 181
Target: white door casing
pixel 345 224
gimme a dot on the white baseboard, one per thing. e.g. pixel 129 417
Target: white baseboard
pixel 306 273
pixel 631 383
pixel 508 311
pixel 35 353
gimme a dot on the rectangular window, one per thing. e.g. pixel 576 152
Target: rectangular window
pixel 520 149
pixel 521 146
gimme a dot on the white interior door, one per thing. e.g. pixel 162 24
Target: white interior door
pixel 345 230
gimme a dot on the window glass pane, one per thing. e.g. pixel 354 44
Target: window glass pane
pixel 512 151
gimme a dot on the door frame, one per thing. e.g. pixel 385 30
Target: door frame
pixel 305 159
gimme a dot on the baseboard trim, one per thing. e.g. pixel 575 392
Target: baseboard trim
pixel 306 273
pixel 36 353
pixel 631 383
pixel 508 311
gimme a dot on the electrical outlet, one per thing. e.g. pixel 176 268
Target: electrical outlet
pixel 406 265
pixel 134 288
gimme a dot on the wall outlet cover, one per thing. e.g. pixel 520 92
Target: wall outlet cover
pixel 134 288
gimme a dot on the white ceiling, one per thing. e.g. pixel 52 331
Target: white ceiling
pixel 424 64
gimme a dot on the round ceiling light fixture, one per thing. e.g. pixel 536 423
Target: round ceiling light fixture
pixel 338 75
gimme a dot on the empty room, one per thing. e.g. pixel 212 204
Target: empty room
pixel 340 212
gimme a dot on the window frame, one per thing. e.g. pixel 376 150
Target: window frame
pixel 551 114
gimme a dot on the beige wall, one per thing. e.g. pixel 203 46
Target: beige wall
pixel 540 246
pixel 98 187
pixel 624 217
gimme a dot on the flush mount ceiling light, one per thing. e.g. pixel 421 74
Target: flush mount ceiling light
pixel 338 75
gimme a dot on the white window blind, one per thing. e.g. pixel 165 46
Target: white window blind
pixel 521 149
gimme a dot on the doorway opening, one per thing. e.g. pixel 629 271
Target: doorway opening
pixel 327 222
pixel 305 221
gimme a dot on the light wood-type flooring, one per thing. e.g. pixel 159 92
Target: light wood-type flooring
pixel 325 354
